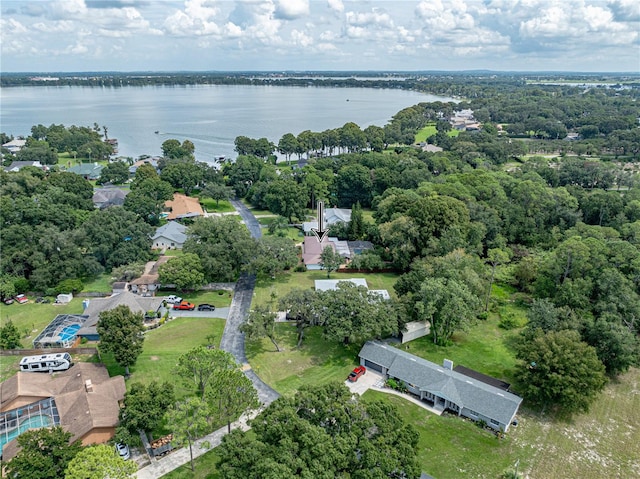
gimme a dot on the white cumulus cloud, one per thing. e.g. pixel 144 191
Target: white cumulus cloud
pixel 336 5
pixel 292 9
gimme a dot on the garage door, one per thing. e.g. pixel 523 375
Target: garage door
pixel 374 366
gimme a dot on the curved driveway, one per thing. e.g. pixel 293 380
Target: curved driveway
pixel 232 339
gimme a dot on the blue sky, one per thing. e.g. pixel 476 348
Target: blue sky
pixel 202 35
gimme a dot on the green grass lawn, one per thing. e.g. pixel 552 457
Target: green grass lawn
pixel 426 132
pixel 316 362
pixel 430 130
pixel 212 206
pixel 305 280
pixel 174 253
pixel 451 447
pixel 205 468
pixel 293 233
pixel 484 347
pixel 163 346
pixel 101 284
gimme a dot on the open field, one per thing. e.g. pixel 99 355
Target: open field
pixel 305 280
pixel 316 362
pixel 163 346
pixel 430 130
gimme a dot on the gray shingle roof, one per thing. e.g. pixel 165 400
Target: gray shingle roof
pixel 136 303
pixel 172 231
pixel 464 391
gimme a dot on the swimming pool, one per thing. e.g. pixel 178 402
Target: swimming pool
pixel 69 332
pixel 33 422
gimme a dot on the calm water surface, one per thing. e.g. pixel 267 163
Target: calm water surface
pixel 211 116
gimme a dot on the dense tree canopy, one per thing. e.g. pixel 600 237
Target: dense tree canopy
pixel 116 172
pixel 144 406
pixel 559 370
pixel 185 272
pixel 100 460
pixel 223 245
pixel 44 454
pixel 322 432
pixel 115 236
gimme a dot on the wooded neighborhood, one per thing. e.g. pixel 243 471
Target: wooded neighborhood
pixel 500 232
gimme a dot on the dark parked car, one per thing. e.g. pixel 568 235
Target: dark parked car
pixel 206 307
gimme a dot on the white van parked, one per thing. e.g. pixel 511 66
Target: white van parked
pixel 46 362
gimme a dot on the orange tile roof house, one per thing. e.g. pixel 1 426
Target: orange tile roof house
pixel 84 400
pixel 182 206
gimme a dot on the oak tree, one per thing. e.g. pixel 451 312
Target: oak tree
pixel 100 461
pixel 558 370
pixel 122 333
pixel 322 432
pixel 44 454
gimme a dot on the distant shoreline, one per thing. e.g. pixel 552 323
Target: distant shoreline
pixel 421 81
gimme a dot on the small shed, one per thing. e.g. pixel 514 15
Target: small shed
pixel 414 330
pixel 64 298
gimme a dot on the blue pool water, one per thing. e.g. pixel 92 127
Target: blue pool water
pixel 29 423
pixel 69 332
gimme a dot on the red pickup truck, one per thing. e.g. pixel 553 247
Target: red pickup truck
pixel 356 373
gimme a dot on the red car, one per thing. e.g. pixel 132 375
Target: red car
pixel 21 298
pixel 185 305
pixel 356 373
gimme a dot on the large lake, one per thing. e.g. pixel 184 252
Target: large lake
pixel 211 116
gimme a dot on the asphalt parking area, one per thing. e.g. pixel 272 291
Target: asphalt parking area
pixel 218 313
pixel 368 380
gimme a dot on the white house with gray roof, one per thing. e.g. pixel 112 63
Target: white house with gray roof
pixel 442 387
pixel 331 217
pixel 170 236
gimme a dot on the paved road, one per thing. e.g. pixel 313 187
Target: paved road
pixel 177 458
pixel 252 223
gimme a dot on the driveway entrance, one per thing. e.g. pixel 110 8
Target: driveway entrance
pixel 368 380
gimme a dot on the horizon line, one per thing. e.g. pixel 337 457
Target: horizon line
pixel 296 71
